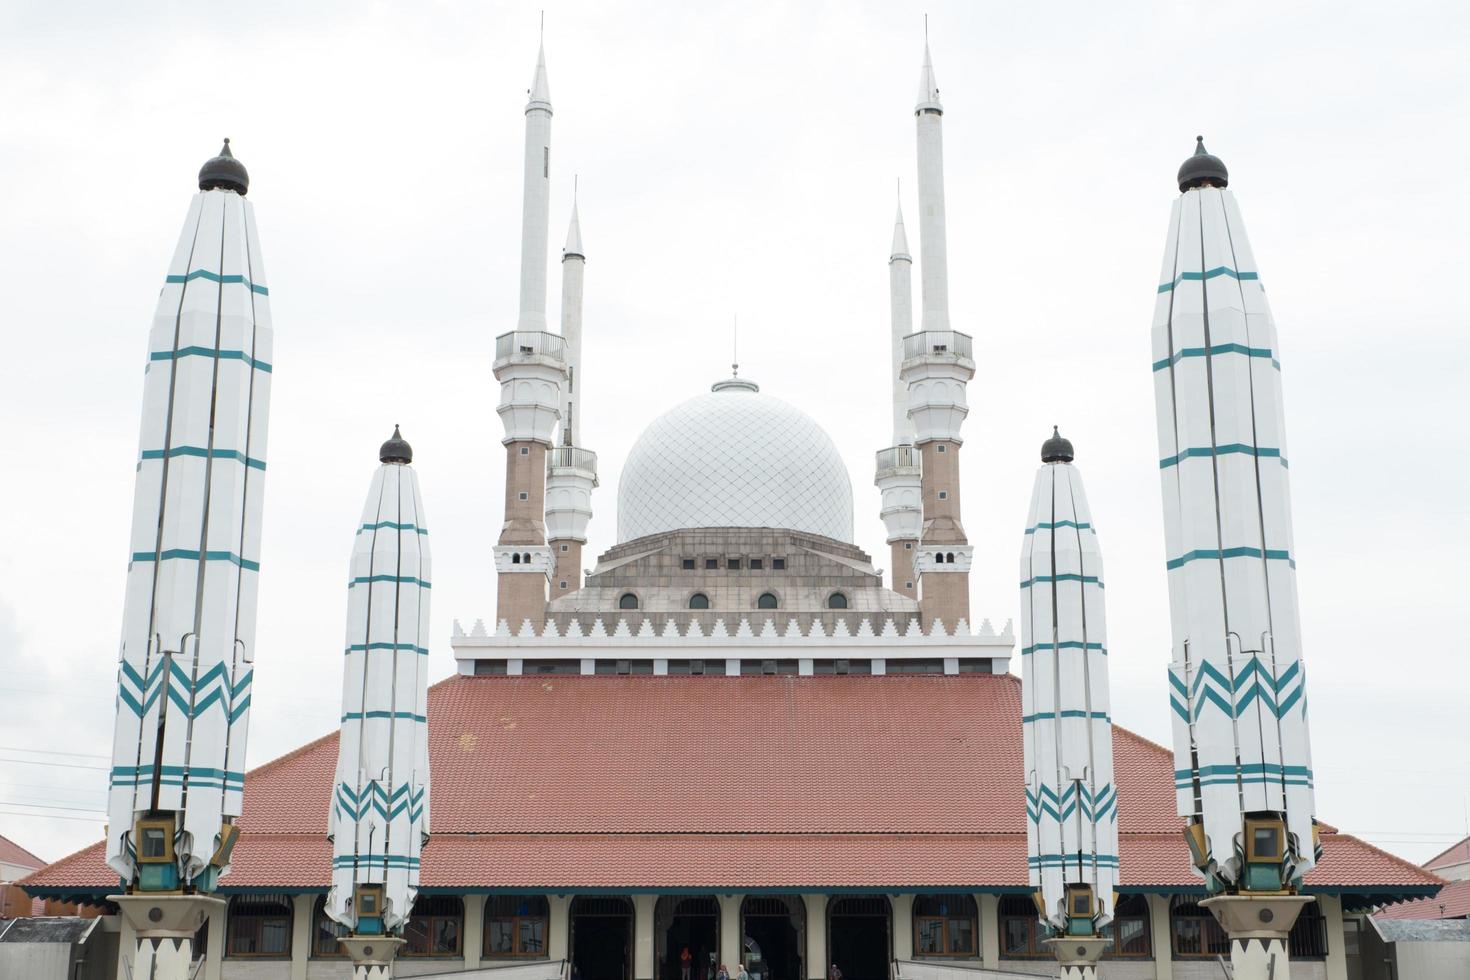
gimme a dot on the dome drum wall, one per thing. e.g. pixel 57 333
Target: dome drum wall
pixel 734 458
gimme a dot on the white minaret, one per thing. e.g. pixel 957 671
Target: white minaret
pixel 531 366
pixel 379 821
pixel 536 200
pixel 188 636
pixel 1236 685
pixel 571 473
pixel 934 273
pixel 898 467
pixel 1071 799
pixel 901 320
pixel 938 364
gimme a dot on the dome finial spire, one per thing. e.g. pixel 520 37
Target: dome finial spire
pixel 1057 449
pixel 1202 169
pixel 396 449
pixel 224 172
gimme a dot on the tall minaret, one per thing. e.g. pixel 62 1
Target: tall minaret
pixel 188 636
pixel 1071 799
pixel 898 471
pixel 572 472
pixel 938 363
pixel 1236 685
pixel 530 365
pixel 379 819
pixel 536 200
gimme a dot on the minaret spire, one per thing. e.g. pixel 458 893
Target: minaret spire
pixel 536 199
pixel 934 273
pixel 898 470
pixel 901 319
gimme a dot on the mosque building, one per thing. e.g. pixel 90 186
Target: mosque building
pixel 599 812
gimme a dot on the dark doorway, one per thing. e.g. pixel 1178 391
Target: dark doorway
pixel 858 929
pixel 602 938
pixel 774 940
pixel 690 922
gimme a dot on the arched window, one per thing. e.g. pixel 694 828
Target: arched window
pixel 766 601
pixel 699 601
pixel 1130 929
pixel 259 925
pixel 325 931
pixel 1021 932
pixel 1195 933
pixel 1308 937
pixel 516 926
pixel 628 601
pixel 946 926
pixel 515 559
pixel 949 558
pixel 526 558
pixel 435 928
pixel 837 601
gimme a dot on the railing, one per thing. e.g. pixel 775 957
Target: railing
pixel 530 343
pixel 570 457
pixel 927 342
pixel 900 457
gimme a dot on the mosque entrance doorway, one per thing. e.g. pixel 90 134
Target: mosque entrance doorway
pixel 858 933
pixel 602 937
pixel 774 939
pixel 686 922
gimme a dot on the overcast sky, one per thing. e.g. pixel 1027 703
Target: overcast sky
pixel 740 158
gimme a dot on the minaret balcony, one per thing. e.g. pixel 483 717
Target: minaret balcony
pixel 899 461
pixel 939 344
pixel 572 458
pixel 529 346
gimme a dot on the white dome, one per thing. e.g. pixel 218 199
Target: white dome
pixel 734 458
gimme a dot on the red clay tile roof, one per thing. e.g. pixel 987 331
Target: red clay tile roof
pixel 1454 897
pixel 1454 854
pixel 13 853
pixel 840 782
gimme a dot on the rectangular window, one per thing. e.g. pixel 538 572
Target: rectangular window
pixel 1015 937
pixel 525 450
pixel 688 564
pixel 941 448
pixel 733 564
pixel 523 495
pixel 944 495
pixel 778 564
pixel 756 564
pixel 483 667
pixel 930 939
pixel 546 162
pixel 712 564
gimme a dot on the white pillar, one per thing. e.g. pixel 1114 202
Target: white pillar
pixel 816 936
pixel 643 936
pixel 127 944
pixel 989 906
pixel 536 202
pixel 302 906
pixel 1336 936
pixel 730 932
pixel 903 926
pixel 1161 936
pixel 474 930
pixel 559 927
pixel 214 949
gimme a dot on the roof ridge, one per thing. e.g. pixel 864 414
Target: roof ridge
pixel 1404 863
pixel 1462 842
pixel 40 862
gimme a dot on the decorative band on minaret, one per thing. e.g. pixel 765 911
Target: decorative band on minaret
pixel 531 366
pixel 379 820
pixel 1071 798
pixel 898 475
pixel 937 365
pixel 571 472
pixel 1237 693
pixel 188 637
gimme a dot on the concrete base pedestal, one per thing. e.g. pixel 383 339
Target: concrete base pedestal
pixel 1078 955
pixel 372 956
pixel 1258 927
pixel 165 926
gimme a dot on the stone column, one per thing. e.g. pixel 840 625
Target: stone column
pixel 302 907
pixel 731 934
pixel 474 930
pixel 643 936
pixel 816 936
pixel 214 953
pixel 903 926
pixel 559 927
pixel 989 906
pixel 1258 929
pixel 1336 937
pixel 1161 936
